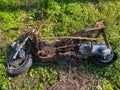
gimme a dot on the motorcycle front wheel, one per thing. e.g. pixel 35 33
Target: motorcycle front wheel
pixel 21 64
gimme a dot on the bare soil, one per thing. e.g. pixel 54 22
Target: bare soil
pixel 73 79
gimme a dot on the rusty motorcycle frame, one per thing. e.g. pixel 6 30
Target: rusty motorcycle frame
pixel 77 45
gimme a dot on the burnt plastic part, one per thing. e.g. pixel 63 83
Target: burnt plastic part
pixel 103 56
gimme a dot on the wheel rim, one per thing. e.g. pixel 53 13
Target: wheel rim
pixel 13 67
pixel 18 62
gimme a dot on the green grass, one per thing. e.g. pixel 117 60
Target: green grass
pixel 63 17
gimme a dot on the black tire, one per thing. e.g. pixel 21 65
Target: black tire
pixel 104 62
pixel 24 66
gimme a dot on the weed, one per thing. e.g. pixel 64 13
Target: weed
pixel 63 18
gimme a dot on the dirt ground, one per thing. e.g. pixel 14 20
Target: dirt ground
pixel 73 79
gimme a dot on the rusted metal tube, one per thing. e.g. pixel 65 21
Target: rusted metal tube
pixel 72 37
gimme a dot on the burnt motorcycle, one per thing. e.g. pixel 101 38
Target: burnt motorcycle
pixel 83 44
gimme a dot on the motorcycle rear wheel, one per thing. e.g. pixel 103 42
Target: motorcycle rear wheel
pixel 105 61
